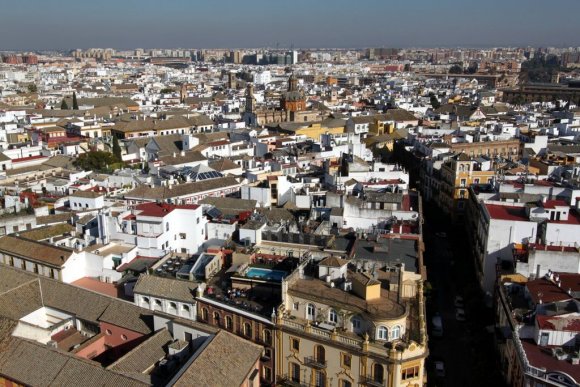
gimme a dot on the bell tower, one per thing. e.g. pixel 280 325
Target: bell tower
pixel 250 99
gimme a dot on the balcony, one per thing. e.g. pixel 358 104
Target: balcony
pixel 314 362
pixel 291 381
pixel 370 381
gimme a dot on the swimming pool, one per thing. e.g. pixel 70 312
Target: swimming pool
pixel 266 274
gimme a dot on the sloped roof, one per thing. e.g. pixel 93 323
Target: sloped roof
pixel 36 251
pixel 227 361
pixel 167 288
pixel 145 355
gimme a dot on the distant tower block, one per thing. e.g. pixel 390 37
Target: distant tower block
pixel 556 77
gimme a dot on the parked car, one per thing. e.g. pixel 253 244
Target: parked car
pixel 437 324
pixel 458 302
pixel 460 314
pixel 440 369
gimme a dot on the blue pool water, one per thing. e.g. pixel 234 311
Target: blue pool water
pixel 266 274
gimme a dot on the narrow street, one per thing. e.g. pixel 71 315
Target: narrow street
pixel 466 348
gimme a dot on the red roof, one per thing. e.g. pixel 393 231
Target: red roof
pixel 159 210
pixel 500 212
pixel 573 218
pixel 569 323
pixel 548 291
pixel 554 203
pixel 23 159
pixel 541 357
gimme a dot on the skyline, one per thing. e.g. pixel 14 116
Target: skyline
pixel 64 24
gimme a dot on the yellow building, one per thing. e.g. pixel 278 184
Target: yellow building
pixel 457 175
pixel 334 332
pixel 312 130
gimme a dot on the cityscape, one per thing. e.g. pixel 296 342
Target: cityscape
pixel 272 206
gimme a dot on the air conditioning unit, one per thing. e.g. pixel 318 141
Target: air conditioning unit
pixel 52 344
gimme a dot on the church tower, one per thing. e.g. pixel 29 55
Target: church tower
pixel 250 99
pixel 293 100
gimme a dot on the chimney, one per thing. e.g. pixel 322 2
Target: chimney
pixel 538 271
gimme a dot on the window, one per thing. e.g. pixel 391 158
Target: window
pixel 229 323
pixel 345 383
pixel 167 226
pixel 295 372
pixel 108 332
pixel 345 359
pixel 382 333
pixel 310 312
pixel 172 306
pixel 267 374
pixel 378 373
pixel 475 181
pixel 410 373
pixel 333 316
pixel 267 353
pixel 463 182
pixel 182 235
pixel 356 323
pixel 320 354
pixel 319 379
pixel 267 336
pixel 247 330
pixel 396 332
pixel 296 306
pixel 216 318
pixel 158 304
pixel 294 344
pixel 123 337
pixel 204 314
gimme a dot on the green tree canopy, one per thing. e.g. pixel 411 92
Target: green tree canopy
pixel 75 103
pixel 95 161
pixel 116 149
pixel 456 69
pixel 63 105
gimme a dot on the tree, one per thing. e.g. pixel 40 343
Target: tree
pixel 95 161
pixel 32 88
pixel 75 103
pixel 456 69
pixel 434 101
pixel 116 149
pixel 63 105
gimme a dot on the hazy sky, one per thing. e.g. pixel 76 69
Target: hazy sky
pixel 66 24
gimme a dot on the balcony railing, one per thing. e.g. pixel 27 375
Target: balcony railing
pixel 292 381
pixel 314 362
pixel 371 381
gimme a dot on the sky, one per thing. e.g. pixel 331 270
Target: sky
pixel 122 24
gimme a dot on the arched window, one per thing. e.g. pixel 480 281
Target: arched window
pixel 145 302
pixel 320 354
pixel 185 309
pixel 378 373
pixel 172 307
pixel 267 336
pixel 229 323
pixel 382 333
pixel 247 330
pixel 204 314
pixel 333 316
pixel 395 332
pixel 310 311
pixel 216 318
pixel 158 305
